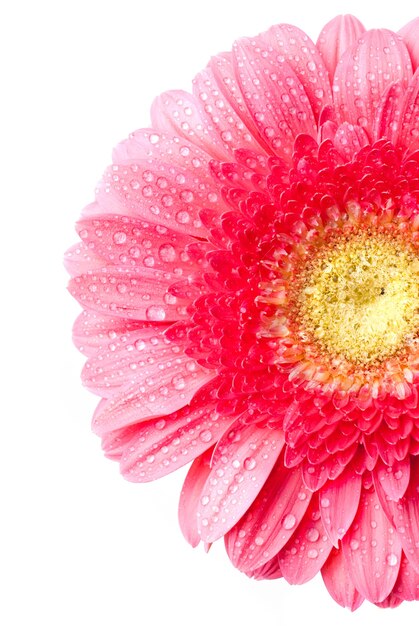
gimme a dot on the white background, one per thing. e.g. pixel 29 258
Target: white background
pixel 80 545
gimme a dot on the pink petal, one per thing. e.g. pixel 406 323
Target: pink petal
pixel 349 139
pixel 222 67
pixel 297 49
pixel 219 112
pixel 190 496
pixel 339 501
pixel 410 36
pixel 274 95
pixel 270 521
pixel 93 332
pixel 364 73
pixel 387 119
pixel 139 294
pixel 269 571
pixel 409 119
pixel 160 388
pixel 336 37
pixel 181 114
pixel 79 259
pixel 407 584
pixel 404 515
pixel 372 550
pixel 307 550
pixel 242 461
pixel 157 192
pixel 392 480
pixel 162 445
pixel 339 583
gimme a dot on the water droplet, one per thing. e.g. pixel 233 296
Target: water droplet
pixel 178 382
pixel 289 522
pixel 119 238
pixel 205 436
pixel 392 560
pixel 150 458
pixel 259 540
pixel 205 500
pixel 312 534
pixel 312 554
pixel 160 424
pixel 249 463
pixel 167 253
pixel 354 544
pixel 325 502
pixel 155 313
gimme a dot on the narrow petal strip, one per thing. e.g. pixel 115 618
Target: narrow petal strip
pixel 336 37
pixel 372 549
pixel 243 459
pixel 339 583
pixel 190 497
pixel 339 501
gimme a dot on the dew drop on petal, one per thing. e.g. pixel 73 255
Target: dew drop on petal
pixel 289 522
pixel 155 313
pixel 392 559
pixel 205 436
pixel 119 238
pixel 249 463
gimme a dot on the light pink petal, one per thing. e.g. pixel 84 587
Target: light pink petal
pixel 271 520
pixel 404 515
pixel 242 461
pixel 303 57
pixel 307 550
pixel 339 583
pixel 221 115
pixel 339 500
pixel 364 73
pixel 127 242
pixel 156 192
pixel 336 37
pixel 79 259
pixel 274 95
pixel 409 119
pixel 121 360
pixel 387 119
pixel 160 388
pixel 94 333
pixel 372 550
pixel 162 445
pixel 349 139
pixel 222 67
pixel 190 497
pixel 392 480
pixel 181 114
pixel 138 294
pixel 407 583
pixel 410 36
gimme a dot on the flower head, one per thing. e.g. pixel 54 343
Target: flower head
pixel 249 276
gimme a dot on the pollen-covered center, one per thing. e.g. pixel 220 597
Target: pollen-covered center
pixel 360 297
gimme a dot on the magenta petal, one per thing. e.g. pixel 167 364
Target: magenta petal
pixel 410 36
pixel 270 521
pixel 339 501
pixel 392 480
pixel 349 139
pixel 307 550
pixel 339 583
pixel 190 496
pixel 336 37
pixel 387 119
pixel 160 388
pixel 382 59
pixel 242 461
pixel 164 444
pixel 274 95
pixel 372 550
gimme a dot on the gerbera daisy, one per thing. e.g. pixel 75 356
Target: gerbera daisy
pixel 249 277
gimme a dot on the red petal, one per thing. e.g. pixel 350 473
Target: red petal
pixel 372 550
pixel 339 583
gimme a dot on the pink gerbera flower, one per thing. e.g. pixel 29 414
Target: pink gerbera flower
pixel 249 276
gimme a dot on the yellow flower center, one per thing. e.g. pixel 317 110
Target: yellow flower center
pixel 360 297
